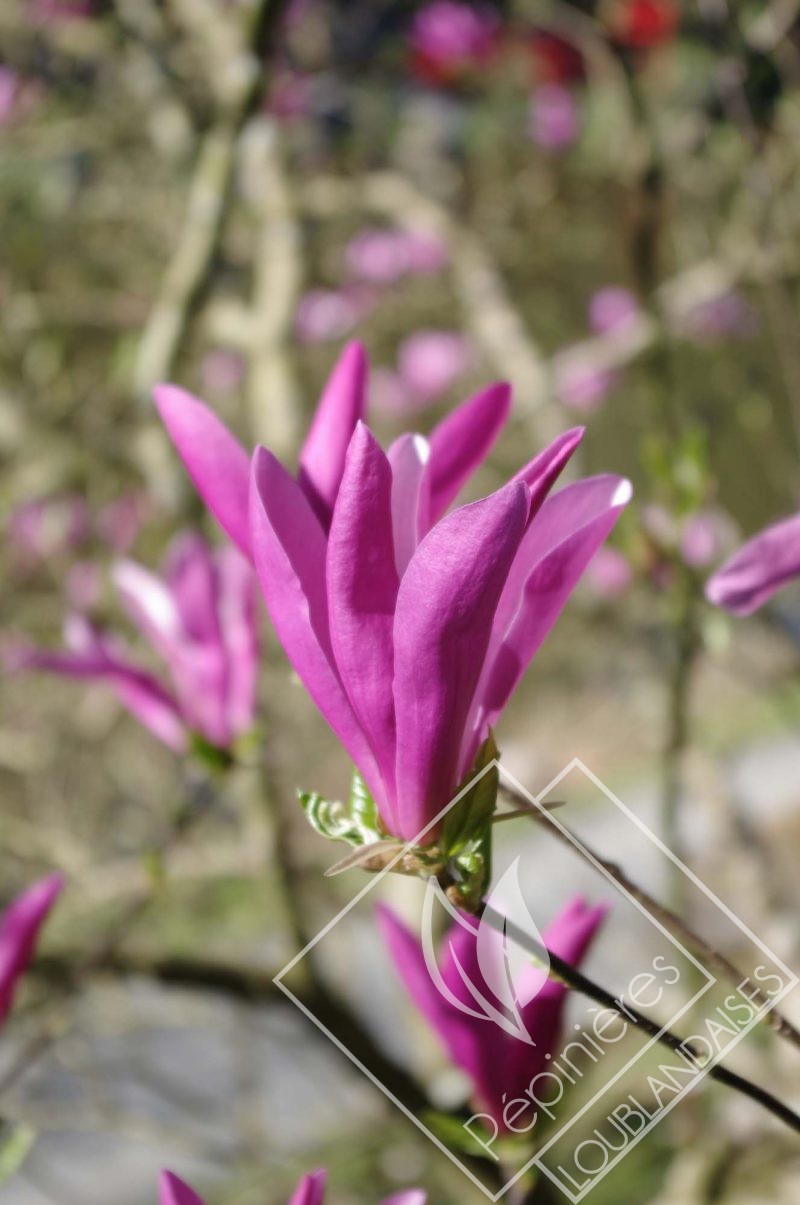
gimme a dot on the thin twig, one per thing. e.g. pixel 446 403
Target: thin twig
pixel 670 920
pixel 576 980
pixel 189 268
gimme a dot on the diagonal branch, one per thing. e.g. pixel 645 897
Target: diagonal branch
pixel 669 919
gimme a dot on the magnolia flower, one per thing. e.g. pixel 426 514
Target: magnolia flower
pixel 449 39
pixel 499 1065
pixel 200 620
pixel 759 569
pixel 554 121
pixel 19 930
pixel 409 630
pixel 310 1191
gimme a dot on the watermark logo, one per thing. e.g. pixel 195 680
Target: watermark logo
pixel 511 973
pixel 577 1105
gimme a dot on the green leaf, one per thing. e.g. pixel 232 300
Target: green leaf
pixel 214 758
pixel 467 831
pixel 15 1143
pixel 357 822
pixel 474 810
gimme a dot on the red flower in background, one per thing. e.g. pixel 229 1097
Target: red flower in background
pixel 556 61
pixel 642 24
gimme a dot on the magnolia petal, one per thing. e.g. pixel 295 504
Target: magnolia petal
pixel 409 456
pixel 541 473
pixel 289 548
pixel 462 441
pixel 172 1191
pixel 407 955
pixel 362 593
pixel 238 621
pixel 19 930
pixel 190 574
pixel 323 454
pixel 138 691
pixel 445 607
pixel 311 1189
pixel 216 461
pixel 554 552
pixel 761 567
pixel 149 604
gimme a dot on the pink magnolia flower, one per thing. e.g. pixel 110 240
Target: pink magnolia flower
pixel 381 256
pixel 499 1065
pixel 410 631
pixel 554 121
pixel 612 309
pixel 19 930
pixel 764 564
pixel 200 618
pixel 310 1191
pixel 449 39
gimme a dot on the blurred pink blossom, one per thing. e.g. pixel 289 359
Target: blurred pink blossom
pixel 83 585
pixel 19 930
pixel 429 362
pixel 554 121
pixel 703 537
pixel 222 370
pixel 309 1191
pixel 389 392
pixel 382 256
pixel 54 11
pixel 47 527
pixel 698 538
pixel 327 314
pixel 119 523
pixel 612 309
pixel 609 574
pixel 580 381
pixel 449 38
pixel 727 314
pixel 290 95
pixel 498 1064
pixel 200 619
pixel 11 85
